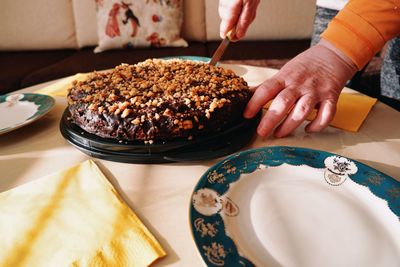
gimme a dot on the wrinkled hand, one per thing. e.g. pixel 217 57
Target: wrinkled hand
pixel 236 13
pixel 311 80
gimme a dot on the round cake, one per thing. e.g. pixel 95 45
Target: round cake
pixel 158 100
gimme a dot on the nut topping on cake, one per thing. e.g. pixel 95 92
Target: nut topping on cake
pixel 158 100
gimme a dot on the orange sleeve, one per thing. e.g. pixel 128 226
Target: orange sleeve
pixel 362 28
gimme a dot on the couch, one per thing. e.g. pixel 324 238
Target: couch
pixel 44 40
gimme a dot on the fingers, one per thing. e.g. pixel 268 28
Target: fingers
pixel 229 11
pixel 263 93
pixel 325 115
pixel 238 14
pixel 314 74
pixel 247 16
pixel 226 26
pixel 289 109
pixel 299 113
pixel 277 111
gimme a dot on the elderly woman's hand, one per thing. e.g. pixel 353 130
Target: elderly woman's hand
pixel 311 80
pixel 236 13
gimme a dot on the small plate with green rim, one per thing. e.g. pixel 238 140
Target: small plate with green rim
pixel 291 206
pixel 18 110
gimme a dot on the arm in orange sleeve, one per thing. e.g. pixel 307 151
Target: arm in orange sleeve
pixel 362 28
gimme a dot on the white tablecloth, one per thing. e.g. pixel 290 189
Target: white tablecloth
pixel 160 193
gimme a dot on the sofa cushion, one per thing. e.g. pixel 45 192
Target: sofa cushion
pixel 275 20
pixel 139 23
pixel 39 24
pixel 14 66
pixel 193 28
pixel 86 61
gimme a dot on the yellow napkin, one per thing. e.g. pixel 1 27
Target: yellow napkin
pixel 351 111
pixel 60 88
pixel 72 218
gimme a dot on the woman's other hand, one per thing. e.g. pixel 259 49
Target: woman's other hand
pixel 313 79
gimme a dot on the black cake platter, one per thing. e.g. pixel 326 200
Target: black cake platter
pixel 218 144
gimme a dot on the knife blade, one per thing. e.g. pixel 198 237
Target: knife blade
pixel 221 48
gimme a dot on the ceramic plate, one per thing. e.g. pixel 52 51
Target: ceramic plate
pixel 18 110
pixel 193 58
pixel 287 206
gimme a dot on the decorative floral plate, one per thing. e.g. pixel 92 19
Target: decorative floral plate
pixel 18 110
pixel 287 206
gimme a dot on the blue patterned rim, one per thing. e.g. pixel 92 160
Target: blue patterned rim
pixel 193 58
pixel 218 249
pixel 44 103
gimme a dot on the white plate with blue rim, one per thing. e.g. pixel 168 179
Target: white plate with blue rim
pixel 192 58
pixel 288 206
pixel 18 110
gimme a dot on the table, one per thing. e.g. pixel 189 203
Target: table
pixel 160 193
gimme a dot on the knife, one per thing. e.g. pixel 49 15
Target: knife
pixel 222 47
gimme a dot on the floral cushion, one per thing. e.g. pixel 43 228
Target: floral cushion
pixel 138 23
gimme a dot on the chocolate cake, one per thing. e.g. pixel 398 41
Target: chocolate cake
pixel 158 100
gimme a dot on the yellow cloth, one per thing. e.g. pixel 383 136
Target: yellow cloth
pixel 72 218
pixel 61 87
pixel 351 111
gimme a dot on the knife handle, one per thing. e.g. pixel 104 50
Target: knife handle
pixel 232 34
